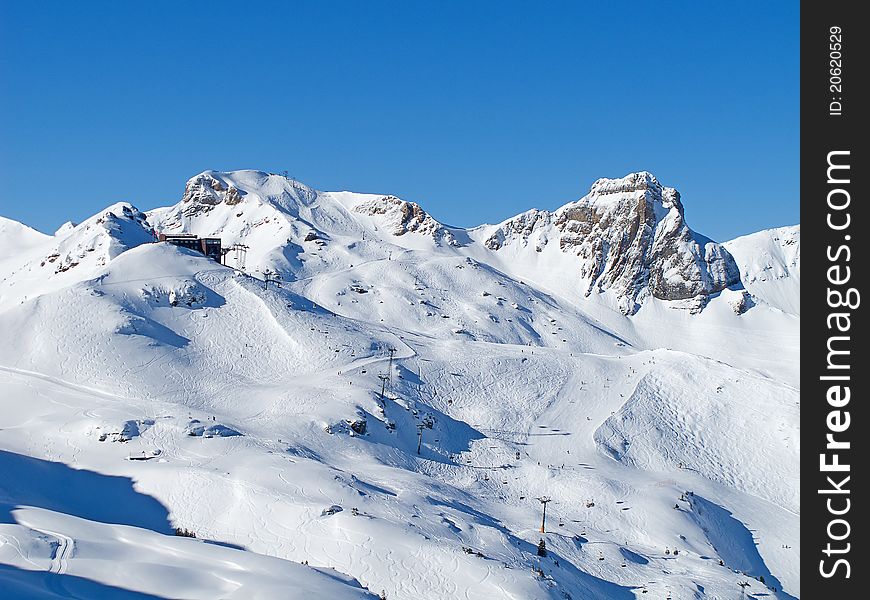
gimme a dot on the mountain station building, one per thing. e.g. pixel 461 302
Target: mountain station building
pixel 209 246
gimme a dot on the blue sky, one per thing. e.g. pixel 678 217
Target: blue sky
pixel 476 110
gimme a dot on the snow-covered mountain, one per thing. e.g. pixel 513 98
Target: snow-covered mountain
pixel 631 237
pixel 770 266
pixel 628 234
pixel 75 253
pixel 603 355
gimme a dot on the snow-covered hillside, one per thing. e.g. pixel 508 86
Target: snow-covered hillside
pixel 385 419
pixel 770 266
pixel 17 235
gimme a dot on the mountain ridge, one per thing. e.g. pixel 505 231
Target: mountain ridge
pixel 627 239
pixel 629 234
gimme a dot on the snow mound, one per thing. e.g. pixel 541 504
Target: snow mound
pixel 694 417
pixel 196 428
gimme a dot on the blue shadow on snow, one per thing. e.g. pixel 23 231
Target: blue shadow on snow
pixel 734 542
pixel 28 481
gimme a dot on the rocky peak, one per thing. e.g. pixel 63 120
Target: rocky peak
pixel 206 190
pixel 98 239
pixel 633 182
pixel 631 238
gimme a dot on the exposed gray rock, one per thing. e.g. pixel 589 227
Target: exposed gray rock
pixel 205 191
pixel 401 217
pixel 631 238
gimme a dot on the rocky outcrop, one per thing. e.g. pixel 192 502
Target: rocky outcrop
pixel 519 228
pixel 205 191
pixel 401 217
pixel 631 238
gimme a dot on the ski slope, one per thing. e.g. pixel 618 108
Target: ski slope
pixel 149 388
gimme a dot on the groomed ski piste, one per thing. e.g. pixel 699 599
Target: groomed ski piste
pixel 148 391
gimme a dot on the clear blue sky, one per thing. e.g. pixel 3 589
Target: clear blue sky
pixel 476 110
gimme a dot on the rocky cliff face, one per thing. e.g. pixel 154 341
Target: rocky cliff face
pixel 630 237
pixel 206 190
pixel 401 217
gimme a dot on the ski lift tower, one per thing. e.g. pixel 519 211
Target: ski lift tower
pixel 544 500
pixel 241 253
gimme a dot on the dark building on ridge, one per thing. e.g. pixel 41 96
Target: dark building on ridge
pixel 209 246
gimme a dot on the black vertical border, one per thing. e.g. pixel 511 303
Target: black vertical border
pixel 822 133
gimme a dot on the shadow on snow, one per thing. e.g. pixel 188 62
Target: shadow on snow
pixel 21 584
pixel 733 541
pixel 27 481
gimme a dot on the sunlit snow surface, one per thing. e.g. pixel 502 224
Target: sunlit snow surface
pixel 146 388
